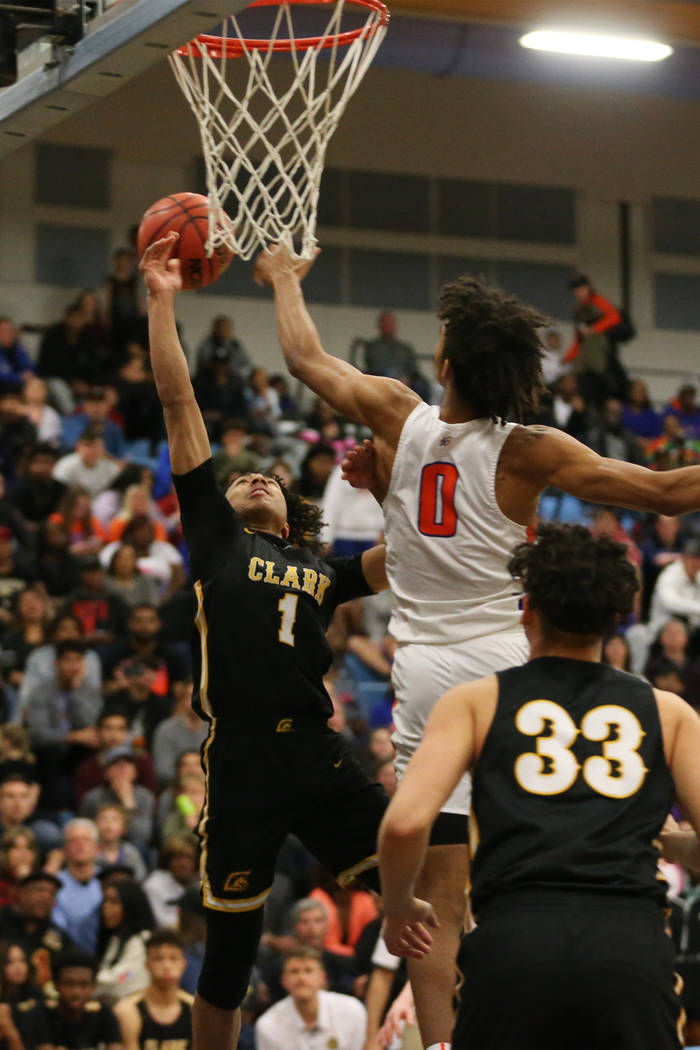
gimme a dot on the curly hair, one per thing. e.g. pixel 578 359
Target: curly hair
pixel 578 584
pixel 491 340
pixel 304 518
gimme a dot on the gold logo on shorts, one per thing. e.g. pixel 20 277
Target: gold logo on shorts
pixel 332 1043
pixel 237 882
pixel 285 725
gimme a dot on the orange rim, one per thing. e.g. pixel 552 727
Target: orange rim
pixel 217 47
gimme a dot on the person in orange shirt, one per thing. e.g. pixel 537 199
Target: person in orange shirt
pixel 75 513
pixel 137 501
pixel 349 911
pixel 594 318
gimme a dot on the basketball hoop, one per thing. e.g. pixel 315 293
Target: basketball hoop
pixel 270 162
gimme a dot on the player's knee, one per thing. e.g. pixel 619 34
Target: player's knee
pixel 231 946
pixel 224 988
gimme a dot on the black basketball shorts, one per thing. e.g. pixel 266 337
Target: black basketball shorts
pixel 580 972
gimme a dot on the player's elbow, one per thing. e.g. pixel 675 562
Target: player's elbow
pixel 401 827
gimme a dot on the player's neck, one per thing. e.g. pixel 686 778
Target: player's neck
pixel 308 1009
pixel 542 646
pixel 453 410
pixel 162 997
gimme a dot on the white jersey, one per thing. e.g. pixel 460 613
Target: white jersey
pixel 448 541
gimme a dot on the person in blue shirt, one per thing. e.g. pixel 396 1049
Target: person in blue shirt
pixel 14 359
pixel 77 907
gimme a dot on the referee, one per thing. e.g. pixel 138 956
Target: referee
pixel 264 602
pixel 575 767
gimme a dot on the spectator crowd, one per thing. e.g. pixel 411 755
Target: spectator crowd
pixel 100 778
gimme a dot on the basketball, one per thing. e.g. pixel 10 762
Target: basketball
pixel 188 215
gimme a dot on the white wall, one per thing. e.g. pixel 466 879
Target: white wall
pixel 608 147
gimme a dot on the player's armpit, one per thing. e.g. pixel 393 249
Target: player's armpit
pixel 379 403
pixel 680 727
pixel 546 456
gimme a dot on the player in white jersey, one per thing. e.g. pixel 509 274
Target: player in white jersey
pixel 458 487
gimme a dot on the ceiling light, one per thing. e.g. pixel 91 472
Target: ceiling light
pixel 596 45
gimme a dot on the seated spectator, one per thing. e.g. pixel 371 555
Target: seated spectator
pixel 137 503
pixel 107 505
pixel 192 927
pixel 77 908
pixel 316 468
pixel 677 590
pixel 56 567
pixel 222 336
pixel 610 438
pixel 17 433
pixel 263 403
pixel 353 518
pixel 157 559
pixel 142 643
pixel 606 522
pixel 89 467
pixel 233 457
pixel 569 411
pixel 289 409
pixel 309 928
pixel 138 802
pixel 638 414
pixel 671 650
pixel 66 358
pixel 94 414
pixel 338 1020
pixel 349 911
pixel 220 391
pixel 41 415
pixel 183 731
pixel 112 732
pixel 185 815
pixel 189 763
pixel 15 363
pixel 18 800
pixel 662 544
pixel 280 468
pixel 23 1021
pixel 75 514
pixel 176 873
pixel 16 571
pixel 134 686
pixel 60 716
pixel 112 825
pixel 15 754
pixel 102 613
pixel 552 367
pixel 125 579
pixel 686 410
pixel 616 653
pixel 37 494
pixel 29 924
pixel 12 519
pixel 139 406
pixel 41 663
pixel 76 1018
pixel 163 1009
pixel 125 920
pixel 19 857
pixel 25 633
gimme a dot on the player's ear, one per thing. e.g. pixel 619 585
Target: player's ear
pixel 285 531
pixel 527 614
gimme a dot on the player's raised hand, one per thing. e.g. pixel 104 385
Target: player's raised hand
pixel 161 272
pixel 359 466
pixel 407 930
pixel 279 260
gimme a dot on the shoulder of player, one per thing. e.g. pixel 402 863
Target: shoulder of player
pixel 397 402
pixel 128 1006
pixel 185 997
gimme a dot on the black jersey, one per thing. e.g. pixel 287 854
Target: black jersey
pixel 174 1036
pixel 29 1016
pixel 572 786
pixel 263 609
pixel 97 1029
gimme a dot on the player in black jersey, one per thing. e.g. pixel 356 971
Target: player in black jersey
pixel 264 604
pixel 575 768
pixel 160 1017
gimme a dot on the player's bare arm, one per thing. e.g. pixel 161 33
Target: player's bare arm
pixel 680 726
pixel 374 567
pixel 535 457
pixel 129 1019
pixel 187 435
pixel 450 745
pixel 378 403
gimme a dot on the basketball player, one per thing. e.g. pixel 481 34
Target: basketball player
pixel 272 765
pixel 458 485
pixel 575 766
pixel 160 1017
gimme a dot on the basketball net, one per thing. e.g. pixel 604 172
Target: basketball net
pixel 265 171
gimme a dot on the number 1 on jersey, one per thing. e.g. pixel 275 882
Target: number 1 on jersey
pixel 288 607
pixel 437 515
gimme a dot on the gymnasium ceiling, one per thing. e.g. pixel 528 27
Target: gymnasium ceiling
pixel 479 38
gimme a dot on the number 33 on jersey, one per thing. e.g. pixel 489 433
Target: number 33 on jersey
pixel 551 768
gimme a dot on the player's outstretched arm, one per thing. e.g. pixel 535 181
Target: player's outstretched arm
pixel 447 749
pixel 187 435
pixel 550 457
pixel 378 403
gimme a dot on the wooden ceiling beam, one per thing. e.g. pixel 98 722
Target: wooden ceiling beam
pixel 675 21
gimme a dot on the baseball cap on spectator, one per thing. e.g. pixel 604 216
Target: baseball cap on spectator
pixel 191 900
pixel 119 754
pixel 41 876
